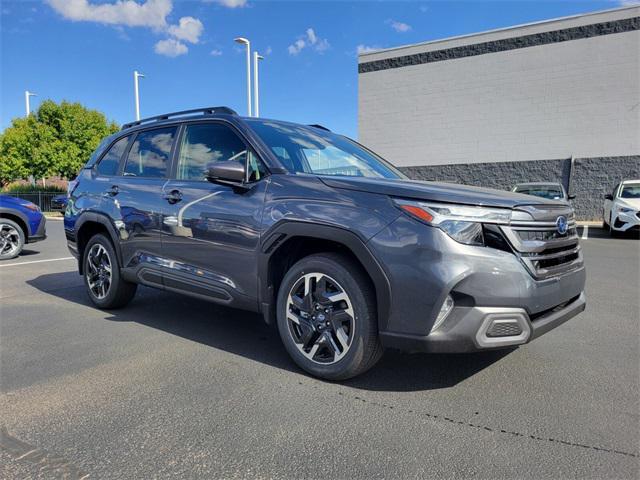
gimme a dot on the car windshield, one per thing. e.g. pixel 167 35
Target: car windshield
pixel 631 190
pixel 551 192
pixel 303 149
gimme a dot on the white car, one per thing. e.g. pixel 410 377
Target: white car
pixel 621 212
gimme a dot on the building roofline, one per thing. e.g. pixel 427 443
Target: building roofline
pixel 495 30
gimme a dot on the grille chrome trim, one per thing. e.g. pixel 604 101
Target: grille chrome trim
pixel 548 244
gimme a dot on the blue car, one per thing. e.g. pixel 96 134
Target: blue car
pixel 59 203
pixel 21 222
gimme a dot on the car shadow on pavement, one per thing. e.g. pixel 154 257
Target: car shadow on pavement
pixel 245 334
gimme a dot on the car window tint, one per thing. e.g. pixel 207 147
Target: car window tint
pixel 205 144
pixel 631 190
pixel 255 168
pixel 111 160
pixel 149 154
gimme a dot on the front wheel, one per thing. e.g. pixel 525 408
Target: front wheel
pixel 105 286
pixel 11 239
pixel 327 317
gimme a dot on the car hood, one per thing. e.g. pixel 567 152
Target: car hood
pixel 437 192
pixel 629 202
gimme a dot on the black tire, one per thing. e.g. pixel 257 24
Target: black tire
pixel 12 240
pixel 119 292
pixel 364 348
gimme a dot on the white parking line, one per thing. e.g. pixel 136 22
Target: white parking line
pixel 37 261
pixel 585 232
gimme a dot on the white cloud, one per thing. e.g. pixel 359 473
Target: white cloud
pixel 129 13
pixel 170 48
pixel 366 49
pixel 215 52
pixel 399 26
pixel 188 29
pixel 152 13
pixel 424 8
pixel 309 39
pixel 297 47
pixel 268 51
pixel 629 3
pixel 229 3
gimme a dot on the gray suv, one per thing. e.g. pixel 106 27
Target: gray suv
pixel 332 244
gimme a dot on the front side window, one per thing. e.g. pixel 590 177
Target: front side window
pixel 150 153
pixel 630 190
pixel 204 144
pixel 303 149
pixel 111 160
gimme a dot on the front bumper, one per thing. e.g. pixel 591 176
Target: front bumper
pixel 497 302
pixel 41 232
pixel 468 330
pixel 624 222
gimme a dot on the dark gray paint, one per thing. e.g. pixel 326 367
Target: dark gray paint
pixel 590 180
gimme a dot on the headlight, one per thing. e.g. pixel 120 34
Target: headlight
pixel 31 206
pixel 463 223
pixel 621 209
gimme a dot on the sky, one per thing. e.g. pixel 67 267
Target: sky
pixel 86 50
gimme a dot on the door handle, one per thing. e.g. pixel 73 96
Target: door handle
pixel 110 192
pixel 174 196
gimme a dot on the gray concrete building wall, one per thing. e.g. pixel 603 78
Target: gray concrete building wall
pixel 527 95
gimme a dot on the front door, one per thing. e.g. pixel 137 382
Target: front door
pixel 212 232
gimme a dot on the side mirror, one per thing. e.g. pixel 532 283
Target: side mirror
pixel 227 173
pixel 571 197
pixel 608 196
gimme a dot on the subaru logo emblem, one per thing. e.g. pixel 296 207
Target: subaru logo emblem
pixel 562 225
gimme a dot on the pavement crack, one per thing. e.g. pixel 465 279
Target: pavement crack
pixel 464 423
pixel 45 461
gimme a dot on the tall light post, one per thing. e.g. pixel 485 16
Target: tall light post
pixel 247 43
pixel 27 103
pixel 136 76
pixel 256 92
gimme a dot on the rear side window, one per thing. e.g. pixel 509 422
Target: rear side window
pixel 204 144
pixel 111 160
pixel 150 152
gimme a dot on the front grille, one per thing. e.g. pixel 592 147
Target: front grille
pixel 504 329
pixel 540 246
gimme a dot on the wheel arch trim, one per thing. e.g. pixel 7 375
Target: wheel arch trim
pixel 288 229
pixel 95 217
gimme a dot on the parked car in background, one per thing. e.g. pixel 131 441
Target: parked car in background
pixel 21 222
pixel 551 191
pixel 332 244
pixel 59 203
pixel 621 211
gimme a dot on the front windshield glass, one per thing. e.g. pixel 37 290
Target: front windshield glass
pixel 631 190
pixel 547 191
pixel 303 149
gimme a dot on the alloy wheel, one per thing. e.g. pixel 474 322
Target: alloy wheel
pixel 9 240
pixel 98 271
pixel 320 318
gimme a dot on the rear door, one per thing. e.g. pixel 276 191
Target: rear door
pixel 212 232
pixel 137 197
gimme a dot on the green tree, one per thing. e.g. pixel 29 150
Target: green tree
pixel 57 139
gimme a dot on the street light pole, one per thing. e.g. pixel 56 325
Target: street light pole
pixel 136 91
pixel 256 92
pixel 27 103
pixel 246 42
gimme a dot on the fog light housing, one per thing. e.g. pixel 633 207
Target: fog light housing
pixel 444 312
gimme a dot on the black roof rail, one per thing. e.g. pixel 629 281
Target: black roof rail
pixel 166 116
pixel 321 127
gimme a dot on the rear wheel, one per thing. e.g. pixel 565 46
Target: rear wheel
pixel 105 285
pixel 11 239
pixel 327 318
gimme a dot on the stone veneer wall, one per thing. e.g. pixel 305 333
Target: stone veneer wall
pixel 589 179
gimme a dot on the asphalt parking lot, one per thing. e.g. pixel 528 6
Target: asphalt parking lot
pixel 176 387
